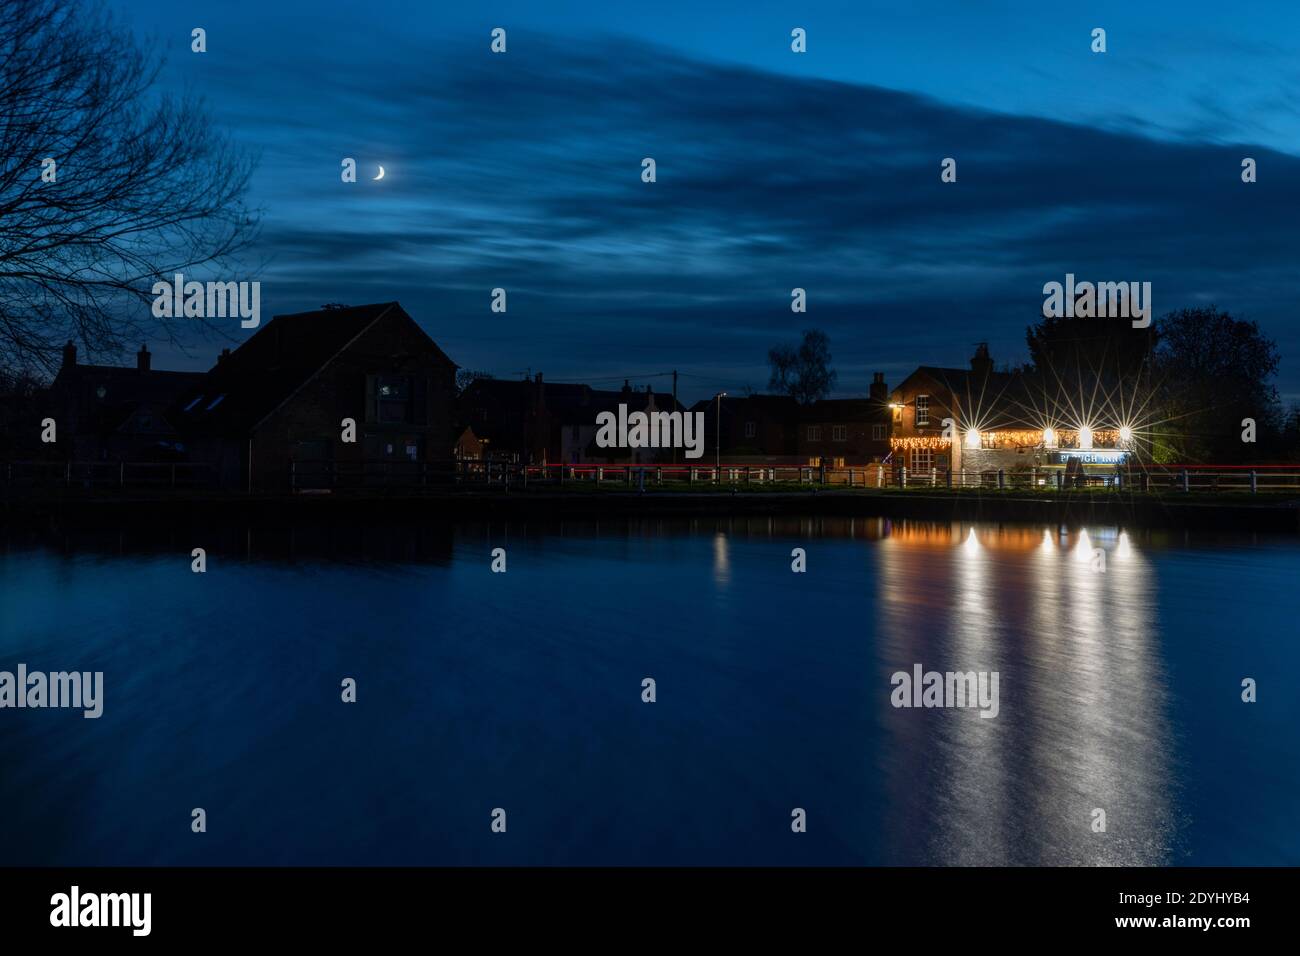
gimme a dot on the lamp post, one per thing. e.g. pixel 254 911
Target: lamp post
pixel 717 447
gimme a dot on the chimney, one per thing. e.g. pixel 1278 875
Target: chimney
pixel 69 355
pixel 142 359
pixel 980 362
pixel 879 390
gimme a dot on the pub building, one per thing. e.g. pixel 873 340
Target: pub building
pixel 993 424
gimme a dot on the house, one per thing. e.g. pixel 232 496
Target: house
pixel 537 422
pixel 754 429
pixel 777 430
pixel 508 417
pixel 980 420
pixel 270 415
pixel 839 432
pixel 573 417
pixel 115 413
pixel 466 446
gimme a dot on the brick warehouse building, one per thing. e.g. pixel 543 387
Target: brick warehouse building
pixel 275 405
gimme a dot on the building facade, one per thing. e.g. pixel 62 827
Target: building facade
pixel 274 413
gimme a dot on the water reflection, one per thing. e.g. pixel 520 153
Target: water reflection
pixel 524 690
pixel 1082 724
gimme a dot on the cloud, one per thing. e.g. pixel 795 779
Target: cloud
pixel 523 171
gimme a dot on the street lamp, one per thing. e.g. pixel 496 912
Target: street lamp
pixel 717 447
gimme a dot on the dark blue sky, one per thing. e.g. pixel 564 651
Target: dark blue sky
pixel 775 170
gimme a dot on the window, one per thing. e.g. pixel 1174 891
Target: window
pixel 393 394
pixel 922 459
pixel 878 433
pixel 814 433
pixel 751 429
pixel 839 433
pixel 839 463
pixel 815 462
pixel 922 409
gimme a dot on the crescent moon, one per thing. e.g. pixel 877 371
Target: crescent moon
pixel 381 173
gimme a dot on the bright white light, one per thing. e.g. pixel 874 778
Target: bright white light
pixel 1083 550
pixel 1125 434
pixel 971 545
pixel 1085 438
pixel 1049 437
pixel 972 438
pixel 1123 550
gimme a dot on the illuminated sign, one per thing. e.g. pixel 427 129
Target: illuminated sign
pixel 1093 457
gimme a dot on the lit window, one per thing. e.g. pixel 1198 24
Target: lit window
pixel 922 409
pixel 922 459
pixel 394 399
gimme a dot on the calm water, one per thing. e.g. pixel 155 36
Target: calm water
pixel 522 691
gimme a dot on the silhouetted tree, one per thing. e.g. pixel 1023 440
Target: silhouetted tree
pixel 1214 371
pixel 465 377
pixel 803 372
pixel 142 185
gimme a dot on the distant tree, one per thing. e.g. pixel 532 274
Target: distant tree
pixel 1214 371
pixel 466 377
pixel 141 187
pixel 803 372
pixel 1083 351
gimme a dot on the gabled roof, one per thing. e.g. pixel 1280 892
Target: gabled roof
pixel 996 397
pixel 847 410
pixel 284 355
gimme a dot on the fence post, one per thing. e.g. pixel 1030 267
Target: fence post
pixel 1252 481
pixel 1002 479
pixel 947 477
pixel 880 476
pixel 1185 488
pixel 1059 481
pixel 934 476
pixel 902 477
pixel 963 476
